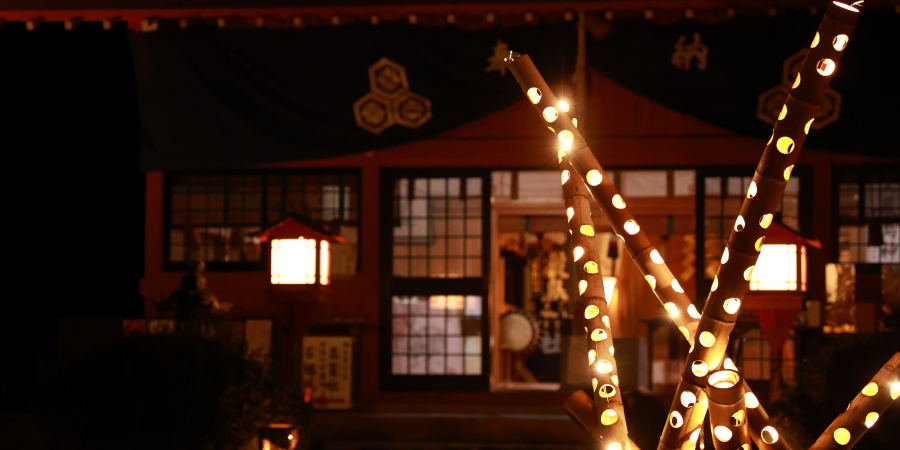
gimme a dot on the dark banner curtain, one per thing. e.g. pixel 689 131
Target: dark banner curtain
pixel 732 73
pixel 229 97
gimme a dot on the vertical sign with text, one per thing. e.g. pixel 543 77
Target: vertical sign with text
pixel 328 370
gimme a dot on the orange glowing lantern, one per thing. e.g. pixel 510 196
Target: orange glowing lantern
pixel 299 255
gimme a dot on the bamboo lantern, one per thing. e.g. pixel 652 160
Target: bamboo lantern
pixel 612 430
pixel 727 411
pixel 864 410
pixel 651 264
pixel 766 189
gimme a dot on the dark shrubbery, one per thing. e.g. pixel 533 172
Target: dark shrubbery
pixel 163 392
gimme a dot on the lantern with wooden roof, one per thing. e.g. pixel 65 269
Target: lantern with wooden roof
pixel 299 254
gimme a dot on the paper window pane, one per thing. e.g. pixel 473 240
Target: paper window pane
pixel 418 365
pixel 399 365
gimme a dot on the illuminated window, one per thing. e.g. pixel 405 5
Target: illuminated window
pixel 215 217
pixel 869 212
pixel 776 269
pixel 436 335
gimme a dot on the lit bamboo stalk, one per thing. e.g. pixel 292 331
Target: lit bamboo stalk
pixel 604 192
pixel 727 412
pixel 648 260
pixel 864 410
pixel 581 409
pixel 612 431
pixel 739 259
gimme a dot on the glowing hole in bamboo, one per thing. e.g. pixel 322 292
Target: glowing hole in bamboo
pixel 561 154
pixel 612 350
pixel 784 145
pixel 594 177
pixel 534 94
pixel 751 191
pixel 655 257
pixel 570 212
pixel 676 420
pixel 563 106
pixel 783 111
pixel 587 230
pixel 751 401
pixel 618 202
pixel 737 419
pixel 695 435
pixel 607 391
pixel 871 418
pixel 825 67
pixel 651 280
pixel 699 368
pixel 748 272
pixel 729 364
pixel 771 137
pixel 846 6
pixel 609 417
pixel 595 383
pixel 577 252
pixel 565 176
pixel 840 42
pixel 575 122
pixel 768 434
pixel 724 379
pixel 615 379
pixel 604 366
pixel 598 335
pixel 672 309
pixel 815 41
pixel 808 124
pixel 582 286
pixel 685 332
pixel 692 311
pixel 591 311
pixel 550 114
pixel 870 390
pixel 592 356
pixel 765 220
pixel 631 227
pixel 605 320
pixel 796 82
pixel 722 433
pixel 591 267
pixel 725 256
pixel 787 172
pixel 707 339
pixel 842 436
pixel 614 446
pixel 732 305
pixel 715 284
pixel 566 138
pixel 895 391
pixel 739 224
pixel 677 287
pixel 688 399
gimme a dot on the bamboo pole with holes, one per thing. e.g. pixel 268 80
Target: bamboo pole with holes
pixel 864 410
pixel 744 244
pixel 647 258
pixel 612 429
pixel 727 410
